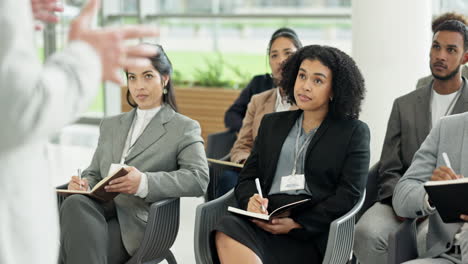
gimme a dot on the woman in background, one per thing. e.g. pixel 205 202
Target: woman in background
pixel 283 43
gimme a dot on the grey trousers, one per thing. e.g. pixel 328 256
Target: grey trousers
pixel 372 231
pixel 90 232
pixel 449 259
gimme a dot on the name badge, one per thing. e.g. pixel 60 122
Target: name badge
pixel 292 182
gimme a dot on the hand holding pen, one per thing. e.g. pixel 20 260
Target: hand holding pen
pixel 257 203
pixel 446 172
pixel 77 183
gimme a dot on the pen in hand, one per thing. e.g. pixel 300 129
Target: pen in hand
pixel 447 162
pixel 79 177
pixel 259 190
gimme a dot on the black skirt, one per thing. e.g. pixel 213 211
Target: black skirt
pixel 270 248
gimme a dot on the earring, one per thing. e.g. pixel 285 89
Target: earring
pixel 331 98
pixel 164 91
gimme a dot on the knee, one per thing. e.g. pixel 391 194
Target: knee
pixel 222 240
pixel 72 204
pixel 367 234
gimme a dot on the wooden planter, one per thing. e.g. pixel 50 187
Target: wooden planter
pixel 206 105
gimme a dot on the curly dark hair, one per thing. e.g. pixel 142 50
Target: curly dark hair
pixel 455 26
pixel 448 16
pixel 347 84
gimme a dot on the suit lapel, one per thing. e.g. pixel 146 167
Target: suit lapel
pixel 270 102
pixel 422 113
pixel 153 131
pixel 321 130
pixel 120 135
pixel 462 103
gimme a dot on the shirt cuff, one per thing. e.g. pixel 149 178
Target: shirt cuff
pixel 427 205
pixel 142 191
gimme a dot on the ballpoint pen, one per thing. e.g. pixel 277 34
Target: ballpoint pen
pixel 259 190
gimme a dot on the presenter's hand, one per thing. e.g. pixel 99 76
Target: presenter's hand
pixel 75 182
pixel 444 173
pixel 278 226
pixel 126 184
pixel 255 204
pixel 109 43
pixel 43 10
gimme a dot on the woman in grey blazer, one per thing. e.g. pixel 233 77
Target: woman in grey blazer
pixel 166 158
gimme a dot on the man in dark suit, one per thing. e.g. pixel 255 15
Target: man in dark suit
pixel 412 117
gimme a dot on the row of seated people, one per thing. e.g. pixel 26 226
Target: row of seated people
pixel 165 155
pixel 410 122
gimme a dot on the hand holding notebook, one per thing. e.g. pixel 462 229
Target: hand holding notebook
pixel 98 192
pixel 448 192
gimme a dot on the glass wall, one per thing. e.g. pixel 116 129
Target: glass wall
pixel 225 40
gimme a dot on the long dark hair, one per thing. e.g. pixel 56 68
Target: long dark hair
pixel 163 65
pixel 284 33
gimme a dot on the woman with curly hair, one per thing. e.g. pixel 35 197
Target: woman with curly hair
pixel 319 152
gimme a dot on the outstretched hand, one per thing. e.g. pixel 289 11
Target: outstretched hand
pixel 109 43
pixel 43 10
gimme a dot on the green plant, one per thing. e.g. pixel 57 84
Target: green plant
pixel 211 76
pixel 243 76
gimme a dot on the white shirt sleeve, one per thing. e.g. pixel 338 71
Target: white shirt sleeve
pixel 40 99
pixel 427 205
pixel 142 191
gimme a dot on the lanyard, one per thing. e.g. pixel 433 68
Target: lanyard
pixel 298 153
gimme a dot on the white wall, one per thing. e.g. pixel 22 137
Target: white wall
pixel 391 42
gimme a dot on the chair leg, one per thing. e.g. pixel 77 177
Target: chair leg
pixel 170 258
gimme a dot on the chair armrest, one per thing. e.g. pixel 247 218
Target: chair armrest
pixel 341 236
pixel 402 243
pixel 206 217
pixel 161 231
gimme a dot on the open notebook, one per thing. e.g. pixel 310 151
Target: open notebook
pixel 278 212
pixel 98 192
pixel 226 163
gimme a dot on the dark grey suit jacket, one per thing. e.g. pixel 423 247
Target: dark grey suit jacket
pixel 169 151
pixel 408 127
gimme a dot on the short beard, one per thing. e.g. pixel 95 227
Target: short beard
pixel 448 76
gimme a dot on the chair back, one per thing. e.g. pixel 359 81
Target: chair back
pixel 341 236
pixel 218 146
pixel 371 190
pixel 206 217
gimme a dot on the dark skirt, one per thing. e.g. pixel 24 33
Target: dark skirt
pixel 271 249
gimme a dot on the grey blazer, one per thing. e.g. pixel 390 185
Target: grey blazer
pixel 449 135
pixel 169 151
pixel 425 81
pixel 408 126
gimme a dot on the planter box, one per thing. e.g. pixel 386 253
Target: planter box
pixel 206 105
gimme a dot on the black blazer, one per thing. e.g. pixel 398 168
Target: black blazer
pixel 337 164
pixel 236 112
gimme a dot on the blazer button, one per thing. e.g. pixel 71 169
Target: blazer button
pixel 448 245
pixel 419 213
